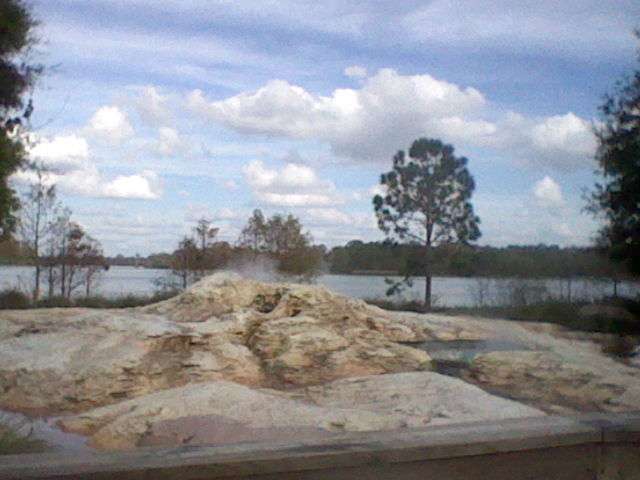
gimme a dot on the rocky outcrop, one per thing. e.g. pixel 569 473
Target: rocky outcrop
pixel 224 412
pixel 223 328
pixel 232 359
pixel 556 383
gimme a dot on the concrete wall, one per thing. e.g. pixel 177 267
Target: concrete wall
pixel 605 447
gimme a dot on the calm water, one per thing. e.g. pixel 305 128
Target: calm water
pixel 447 291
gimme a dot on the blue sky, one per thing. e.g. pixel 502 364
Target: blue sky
pixel 156 113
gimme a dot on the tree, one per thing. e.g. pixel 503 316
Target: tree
pixel 617 196
pixel 17 76
pixel 254 234
pixel 205 235
pixel 75 258
pixel 427 203
pixel 37 212
pixel 183 262
pixel 283 240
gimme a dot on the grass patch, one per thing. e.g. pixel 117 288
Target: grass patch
pixel 11 443
pixel 14 299
pixel 561 313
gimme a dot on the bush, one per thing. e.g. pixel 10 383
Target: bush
pixel 54 302
pixel 561 313
pixel 14 299
pixel 404 306
pixel 12 443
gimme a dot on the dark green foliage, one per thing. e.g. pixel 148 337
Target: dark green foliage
pixel 14 299
pixel 281 239
pixel 12 443
pixel 561 313
pixel 617 197
pixel 426 203
pixel 17 75
pixel 526 261
pixel 56 301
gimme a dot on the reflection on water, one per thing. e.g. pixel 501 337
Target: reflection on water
pixel 452 357
pixel 447 291
pixel 44 429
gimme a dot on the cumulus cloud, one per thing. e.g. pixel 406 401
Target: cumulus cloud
pixel 111 124
pixel 391 110
pixel 562 142
pixel 145 185
pixel 294 185
pixel 355 71
pixel 61 153
pixel 152 107
pixel 68 164
pixel 548 193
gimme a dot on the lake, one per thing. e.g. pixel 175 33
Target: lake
pixel 447 291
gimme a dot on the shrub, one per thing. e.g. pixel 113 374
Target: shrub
pixel 54 302
pixel 14 299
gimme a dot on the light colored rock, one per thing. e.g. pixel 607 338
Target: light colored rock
pixel 555 383
pixel 127 424
pixel 222 328
pixel 223 412
pixel 422 398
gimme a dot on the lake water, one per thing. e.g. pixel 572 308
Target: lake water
pixel 447 291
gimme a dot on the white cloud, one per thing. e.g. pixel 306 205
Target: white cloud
pixel 68 165
pixel 111 124
pixel 152 106
pixel 548 193
pixel 145 185
pixel 564 134
pixel 292 186
pixel 391 110
pixel 355 71
pixel 62 153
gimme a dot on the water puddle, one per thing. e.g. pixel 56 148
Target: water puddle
pixel 452 357
pixel 44 429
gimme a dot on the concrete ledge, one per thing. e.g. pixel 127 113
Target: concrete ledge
pixel 547 445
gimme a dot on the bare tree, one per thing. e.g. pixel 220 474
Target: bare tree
pixel 37 213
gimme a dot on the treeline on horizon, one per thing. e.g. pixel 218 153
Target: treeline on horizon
pixel 357 257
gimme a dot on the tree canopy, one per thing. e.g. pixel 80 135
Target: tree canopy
pixel 617 195
pixel 17 75
pixel 427 202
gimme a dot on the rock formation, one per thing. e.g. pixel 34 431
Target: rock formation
pixel 232 359
pixel 223 328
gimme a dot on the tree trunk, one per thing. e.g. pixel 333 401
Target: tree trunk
pixel 36 288
pixel 427 292
pixel 51 282
pixel 427 276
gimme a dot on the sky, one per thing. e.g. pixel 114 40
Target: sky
pixel 153 114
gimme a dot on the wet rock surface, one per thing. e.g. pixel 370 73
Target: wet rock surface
pixel 233 359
